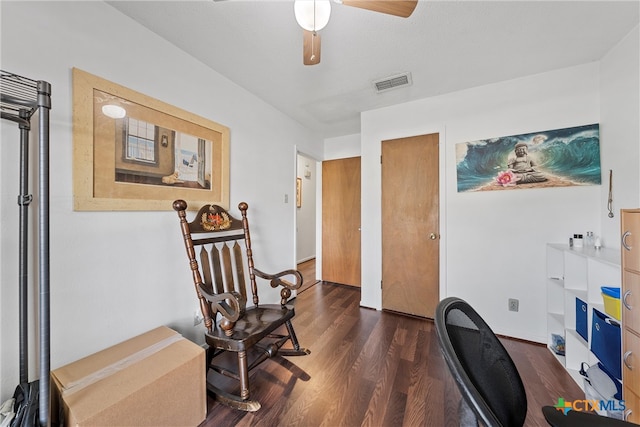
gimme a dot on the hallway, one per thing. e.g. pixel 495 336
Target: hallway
pixel 308 270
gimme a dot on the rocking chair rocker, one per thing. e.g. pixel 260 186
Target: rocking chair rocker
pixel 220 275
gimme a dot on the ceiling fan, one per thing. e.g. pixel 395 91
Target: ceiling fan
pixel 313 15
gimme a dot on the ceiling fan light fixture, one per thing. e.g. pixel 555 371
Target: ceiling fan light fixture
pixel 312 15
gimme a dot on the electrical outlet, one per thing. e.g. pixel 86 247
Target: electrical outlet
pixel 514 304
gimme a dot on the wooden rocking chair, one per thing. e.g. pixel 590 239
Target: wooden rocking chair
pixel 220 275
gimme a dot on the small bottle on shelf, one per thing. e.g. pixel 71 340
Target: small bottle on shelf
pixel 589 241
pixel 577 240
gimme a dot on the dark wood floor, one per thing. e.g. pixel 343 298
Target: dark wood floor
pixel 308 271
pixel 371 368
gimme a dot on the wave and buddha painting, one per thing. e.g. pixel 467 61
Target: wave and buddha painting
pixel 553 158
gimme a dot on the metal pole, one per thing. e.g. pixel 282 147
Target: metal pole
pixel 44 104
pixel 24 198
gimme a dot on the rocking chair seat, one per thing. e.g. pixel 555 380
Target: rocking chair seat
pixel 256 324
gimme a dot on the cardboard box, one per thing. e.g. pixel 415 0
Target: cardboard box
pixel 155 379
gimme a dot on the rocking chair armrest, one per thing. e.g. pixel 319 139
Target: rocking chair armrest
pixel 278 280
pixel 230 304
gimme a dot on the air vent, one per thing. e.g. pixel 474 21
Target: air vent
pixel 392 82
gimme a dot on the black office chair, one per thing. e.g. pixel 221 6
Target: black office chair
pixel 491 387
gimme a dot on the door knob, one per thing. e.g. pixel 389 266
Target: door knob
pixel 624 240
pixel 433 236
pixel 624 300
pixel 626 361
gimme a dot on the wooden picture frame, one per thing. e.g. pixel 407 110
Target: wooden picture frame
pixel 146 159
pixel 299 192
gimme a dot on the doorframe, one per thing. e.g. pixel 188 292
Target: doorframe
pixel 425 142
pixel 318 225
pixel 371 210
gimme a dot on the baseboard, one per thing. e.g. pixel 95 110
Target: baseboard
pixel 306 259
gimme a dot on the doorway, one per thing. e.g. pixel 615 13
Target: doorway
pixel 410 225
pixel 306 218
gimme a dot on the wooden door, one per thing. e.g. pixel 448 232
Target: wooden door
pixel 341 221
pixel 630 226
pixel 410 225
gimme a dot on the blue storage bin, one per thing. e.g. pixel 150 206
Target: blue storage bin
pixel 606 341
pixel 611 291
pixel 582 326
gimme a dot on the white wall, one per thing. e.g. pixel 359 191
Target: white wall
pixel 493 243
pixel 342 147
pixel 620 133
pixel 118 274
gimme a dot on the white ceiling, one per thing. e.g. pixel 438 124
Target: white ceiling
pixel 446 45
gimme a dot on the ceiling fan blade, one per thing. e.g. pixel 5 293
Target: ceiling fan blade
pixel 402 8
pixel 310 48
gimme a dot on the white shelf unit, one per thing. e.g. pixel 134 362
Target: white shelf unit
pixel 577 273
